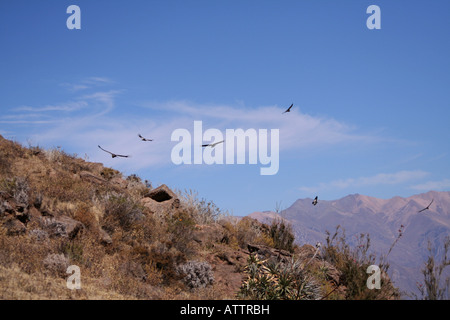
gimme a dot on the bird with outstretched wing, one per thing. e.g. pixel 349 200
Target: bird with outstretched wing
pixel 315 201
pixel 427 207
pixel 114 155
pixel 144 139
pixel 212 145
pixel 289 109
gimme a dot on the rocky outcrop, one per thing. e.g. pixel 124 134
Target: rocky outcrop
pixel 161 200
pixel 63 227
pixel 269 252
pixel 88 176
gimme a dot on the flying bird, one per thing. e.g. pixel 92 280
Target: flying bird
pixel 428 207
pixel 212 145
pixel 289 109
pixel 314 201
pixel 144 139
pixel 113 154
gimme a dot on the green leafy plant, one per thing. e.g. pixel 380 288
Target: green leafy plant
pixel 275 280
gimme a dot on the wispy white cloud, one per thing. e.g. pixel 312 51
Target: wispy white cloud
pixel 297 129
pixel 97 80
pixel 94 124
pixel 69 106
pixel 375 180
pixel 87 83
pixel 93 105
pixel 107 98
pixel 439 185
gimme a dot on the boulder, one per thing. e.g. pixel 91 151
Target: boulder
pixel 5 208
pixel 209 234
pixel 63 227
pixel 90 177
pixel 161 200
pixel 268 252
pixel 104 237
pixel 14 227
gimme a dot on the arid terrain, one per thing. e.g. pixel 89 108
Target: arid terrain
pixel 131 240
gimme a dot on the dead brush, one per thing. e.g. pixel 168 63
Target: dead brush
pixel 352 262
pixel 201 210
pixel 121 212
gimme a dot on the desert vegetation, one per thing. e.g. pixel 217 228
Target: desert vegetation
pixel 353 262
pixel 133 241
pixel 435 284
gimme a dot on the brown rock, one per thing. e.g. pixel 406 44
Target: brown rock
pixel 208 234
pixel 161 200
pixel 5 208
pixel 161 194
pixel 87 176
pixel 269 252
pixel 14 227
pixel 104 237
pixel 63 227
pixel 94 167
pixel 118 182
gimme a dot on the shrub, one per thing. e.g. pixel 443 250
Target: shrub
pixel 121 212
pixel 5 164
pixel 352 262
pixel 54 155
pixel 251 231
pixel 201 210
pixel 17 188
pixel 136 187
pixel 433 286
pixel 272 280
pixel 72 250
pixel 63 187
pixel 166 258
pixel 84 213
pixel 109 173
pixel 282 235
pixel 180 227
pixel 196 274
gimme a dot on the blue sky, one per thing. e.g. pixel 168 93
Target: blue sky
pixel 371 107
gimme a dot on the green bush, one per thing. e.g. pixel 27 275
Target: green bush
pixel 272 280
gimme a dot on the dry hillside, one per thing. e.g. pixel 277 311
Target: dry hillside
pixel 133 241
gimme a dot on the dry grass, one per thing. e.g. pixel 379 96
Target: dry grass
pixel 123 250
pixel 145 251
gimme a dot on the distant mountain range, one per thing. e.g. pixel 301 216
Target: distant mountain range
pixel 381 219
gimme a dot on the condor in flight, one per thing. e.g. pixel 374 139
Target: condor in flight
pixel 113 154
pixel 144 139
pixel 428 207
pixel 212 145
pixel 289 109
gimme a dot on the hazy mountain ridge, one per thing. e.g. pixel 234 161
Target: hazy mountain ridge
pixel 381 219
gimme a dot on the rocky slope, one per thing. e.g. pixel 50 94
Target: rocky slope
pixel 132 241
